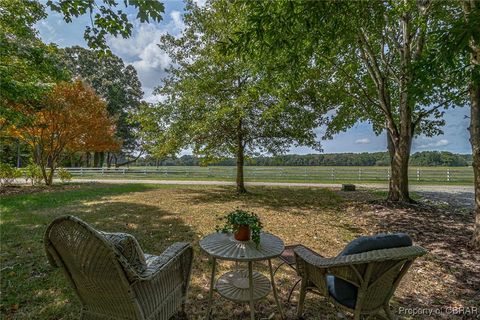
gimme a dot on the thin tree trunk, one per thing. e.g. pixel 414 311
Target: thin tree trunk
pixel 109 160
pixel 87 159
pixel 474 91
pixel 101 159
pixel 44 173
pixel 19 161
pixel 240 160
pixel 96 159
pixel 50 176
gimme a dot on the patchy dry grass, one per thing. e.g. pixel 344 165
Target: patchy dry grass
pixel 324 220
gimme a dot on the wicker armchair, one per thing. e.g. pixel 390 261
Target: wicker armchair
pixel 109 286
pixel 376 275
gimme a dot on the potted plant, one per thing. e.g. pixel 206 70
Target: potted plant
pixel 244 225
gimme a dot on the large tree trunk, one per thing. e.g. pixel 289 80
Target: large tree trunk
pixel 402 139
pixel 474 91
pixel 398 186
pixel 240 160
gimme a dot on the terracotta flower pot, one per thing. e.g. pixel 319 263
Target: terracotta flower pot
pixel 242 233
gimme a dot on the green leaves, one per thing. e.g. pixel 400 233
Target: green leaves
pixel 106 18
pixel 212 98
pixel 238 218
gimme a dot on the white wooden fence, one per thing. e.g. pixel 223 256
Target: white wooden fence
pixel 252 173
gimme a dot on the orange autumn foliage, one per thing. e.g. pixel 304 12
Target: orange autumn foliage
pixel 72 118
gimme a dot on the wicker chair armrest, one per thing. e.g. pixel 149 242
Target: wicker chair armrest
pixel 401 253
pixel 158 264
pixel 309 256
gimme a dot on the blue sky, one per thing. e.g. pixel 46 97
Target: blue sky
pixel 142 52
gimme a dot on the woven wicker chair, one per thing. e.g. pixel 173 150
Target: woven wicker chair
pixel 375 273
pixel 107 284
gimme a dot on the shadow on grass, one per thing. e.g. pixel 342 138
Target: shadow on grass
pixel 279 198
pixel 451 269
pixel 33 289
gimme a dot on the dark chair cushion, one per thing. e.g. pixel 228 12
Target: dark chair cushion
pixel 345 292
pixel 377 242
pixel 128 246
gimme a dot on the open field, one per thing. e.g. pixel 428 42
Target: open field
pixel 323 219
pixel 313 174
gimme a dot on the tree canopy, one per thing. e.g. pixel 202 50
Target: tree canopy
pixel 73 118
pixel 361 61
pixel 116 83
pixel 215 102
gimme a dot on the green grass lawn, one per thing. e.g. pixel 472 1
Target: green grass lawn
pixel 159 215
pixel 309 174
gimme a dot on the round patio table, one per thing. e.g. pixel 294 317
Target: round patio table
pixel 242 285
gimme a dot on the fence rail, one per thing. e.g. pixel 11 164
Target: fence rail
pixel 453 175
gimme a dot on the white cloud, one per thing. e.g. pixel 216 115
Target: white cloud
pixel 141 50
pixel 200 3
pixel 434 144
pixel 177 21
pixel 363 141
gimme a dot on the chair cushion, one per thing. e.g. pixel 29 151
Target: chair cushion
pixel 128 246
pixel 345 292
pixel 377 242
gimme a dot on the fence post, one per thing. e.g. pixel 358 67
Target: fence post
pixel 81 171
pixel 123 171
pixel 359 174
pixel 103 171
pixel 448 175
pixel 418 174
pixel 388 174
pixel 305 174
pixel 333 174
pixel 145 170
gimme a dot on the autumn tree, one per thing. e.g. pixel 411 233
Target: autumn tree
pixel 72 118
pixel 29 68
pixel 118 85
pixel 215 103
pixel 364 61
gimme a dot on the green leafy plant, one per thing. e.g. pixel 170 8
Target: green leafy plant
pixel 237 218
pixel 33 173
pixel 8 174
pixel 64 175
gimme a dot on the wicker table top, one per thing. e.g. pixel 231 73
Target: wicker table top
pixel 224 246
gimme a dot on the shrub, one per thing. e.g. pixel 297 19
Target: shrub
pixel 33 173
pixel 8 174
pixel 64 175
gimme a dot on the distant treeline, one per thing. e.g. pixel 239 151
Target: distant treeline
pixel 425 158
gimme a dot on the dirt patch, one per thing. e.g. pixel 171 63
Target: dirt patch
pixel 448 276
pixel 27 189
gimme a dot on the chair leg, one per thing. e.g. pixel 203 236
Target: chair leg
pixel 388 312
pixel 278 267
pixel 293 288
pixel 301 300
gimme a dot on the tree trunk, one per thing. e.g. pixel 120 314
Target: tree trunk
pixel 96 159
pixel 240 160
pixel 19 161
pixel 44 173
pixel 474 92
pixel 398 186
pixel 102 159
pixel 109 160
pixel 50 176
